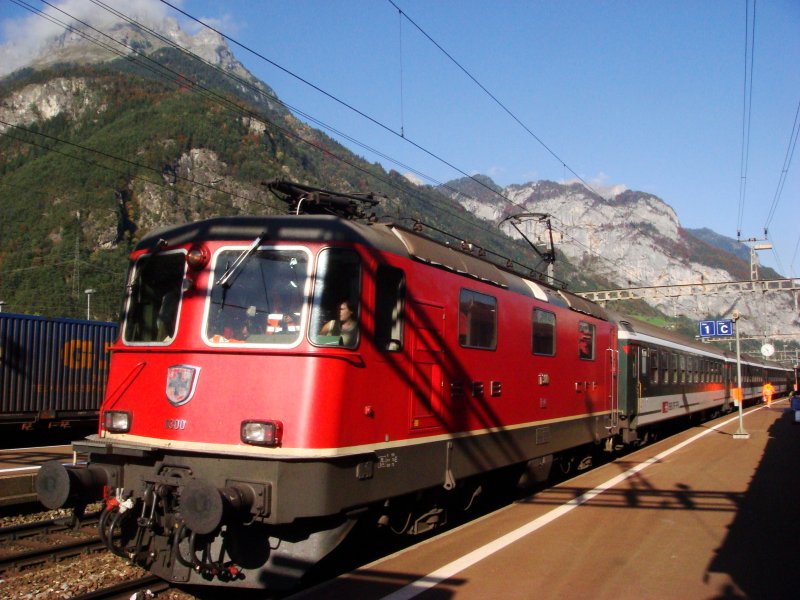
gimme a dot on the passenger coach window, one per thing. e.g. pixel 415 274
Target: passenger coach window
pixel 654 367
pixel 585 341
pixel 643 365
pixel 544 332
pixel 477 320
pixel 337 289
pixel 390 289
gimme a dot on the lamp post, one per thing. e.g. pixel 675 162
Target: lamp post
pixel 740 434
pixel 89 293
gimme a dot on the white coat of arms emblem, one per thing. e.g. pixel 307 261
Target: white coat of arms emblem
pixel 181 383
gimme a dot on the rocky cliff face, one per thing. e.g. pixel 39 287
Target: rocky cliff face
pixel 636 240
pixel 41 102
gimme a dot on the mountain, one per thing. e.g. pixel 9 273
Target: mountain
pixel 720 241
pixel 733 246
pixel 98 147
pixel 632 239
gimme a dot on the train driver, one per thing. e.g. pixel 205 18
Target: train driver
pixel 345 326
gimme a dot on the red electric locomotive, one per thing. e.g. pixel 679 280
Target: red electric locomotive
pixel 278 378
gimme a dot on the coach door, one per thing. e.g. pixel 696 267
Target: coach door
pixel 631 378
pixel 611 385
pixel 647 359
pixel 642 379
pixel 427 329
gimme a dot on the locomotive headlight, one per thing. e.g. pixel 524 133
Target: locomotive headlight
pixel 262 433
pixel 117 421
pixel 197 257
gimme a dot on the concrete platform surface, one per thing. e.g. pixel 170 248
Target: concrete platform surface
pixel 699 515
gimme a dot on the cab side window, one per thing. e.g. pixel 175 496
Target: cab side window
pixel 585 341
pixel 154 295
pixel 335 309
pixel 544 332
pixel 477 320
pixel 390 290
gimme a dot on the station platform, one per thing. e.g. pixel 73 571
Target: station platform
pixel 18 469
pixel 699 515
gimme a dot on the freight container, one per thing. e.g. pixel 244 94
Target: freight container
pixel 53 371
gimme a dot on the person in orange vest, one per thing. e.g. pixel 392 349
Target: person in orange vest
pixel 767 392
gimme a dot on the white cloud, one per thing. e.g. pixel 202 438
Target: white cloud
pixel 413 179
pixel 24 38
pixel 226 24
pixel 599 184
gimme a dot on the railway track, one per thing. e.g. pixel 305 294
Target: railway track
pixel 34 544
pixel 143 587
pixel 54 558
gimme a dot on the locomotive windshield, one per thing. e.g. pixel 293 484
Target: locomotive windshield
pixel 154 296
pixel 261 300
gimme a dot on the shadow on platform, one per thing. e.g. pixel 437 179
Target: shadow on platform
pixel 760 553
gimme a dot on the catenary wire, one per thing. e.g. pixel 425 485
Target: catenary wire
pixel 335 99
pixel 787 161
pixel 261 117
pixel 494 98
pixel 747 106
pixel 260 91
pixel 361 113
pixel 195 85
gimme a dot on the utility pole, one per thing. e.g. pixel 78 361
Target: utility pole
pixel 89 293
pixel 76 269
pixel 753 249
pixel 754 259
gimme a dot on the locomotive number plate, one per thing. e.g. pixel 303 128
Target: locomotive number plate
pixel 175 424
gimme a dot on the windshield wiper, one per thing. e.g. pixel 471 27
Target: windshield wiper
pixel 225 280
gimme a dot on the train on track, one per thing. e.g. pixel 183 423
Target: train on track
pixel 279 379
pixel 53 371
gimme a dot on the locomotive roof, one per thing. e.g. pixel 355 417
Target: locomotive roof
pixel 385 237
pixel 302 228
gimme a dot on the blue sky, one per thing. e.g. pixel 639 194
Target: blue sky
pixel 644 94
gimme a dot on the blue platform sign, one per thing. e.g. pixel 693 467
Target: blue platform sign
pixel 722 328
pixel 725 328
